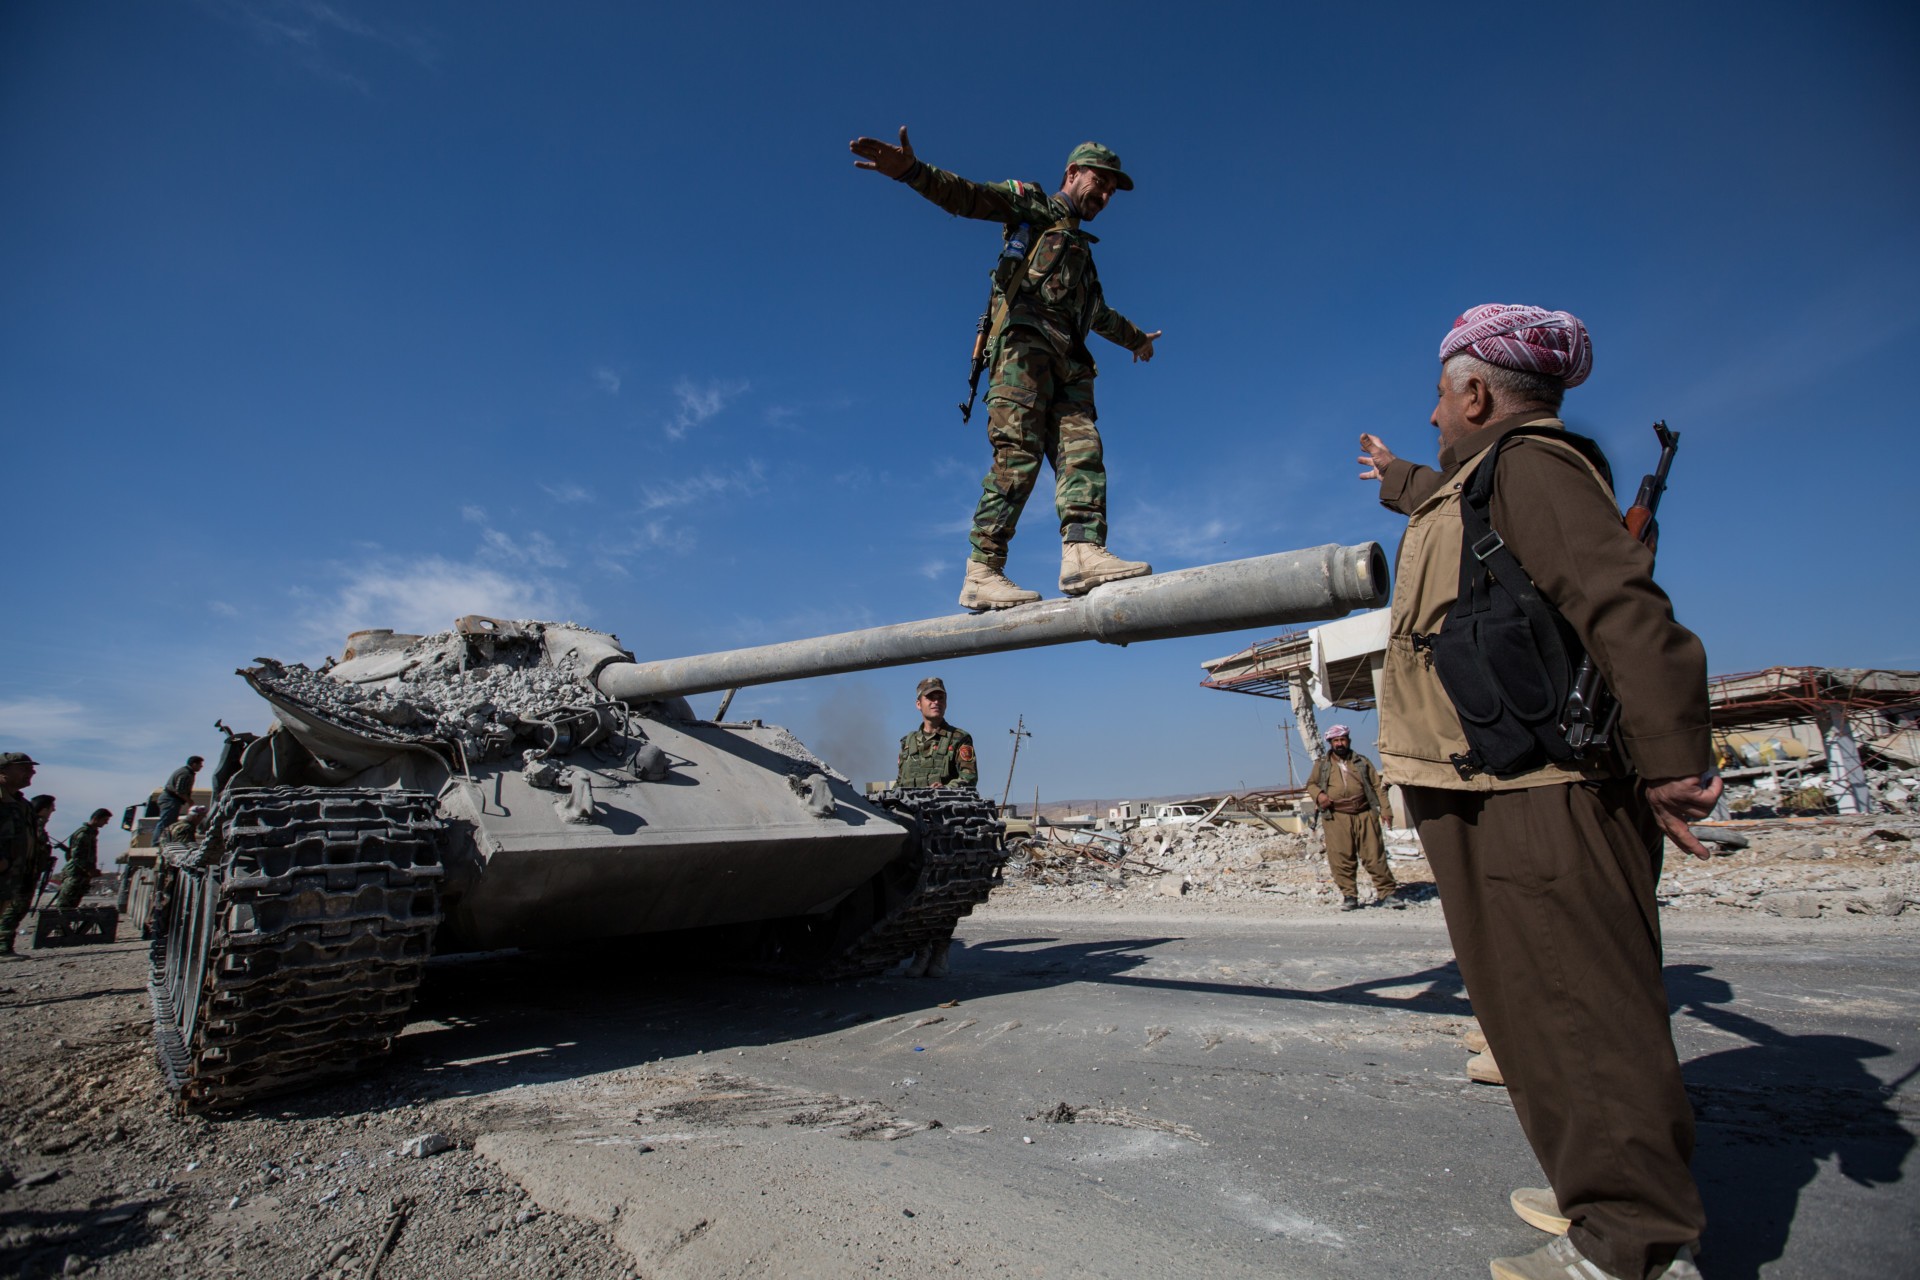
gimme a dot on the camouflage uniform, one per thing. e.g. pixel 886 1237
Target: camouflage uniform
pixel 1040 401
pixel 19 874
pixel 83 862
pixel 943 758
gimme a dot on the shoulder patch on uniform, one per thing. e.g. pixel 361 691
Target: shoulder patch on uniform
pixel 966 751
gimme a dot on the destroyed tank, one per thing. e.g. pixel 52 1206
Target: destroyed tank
pixel 519 784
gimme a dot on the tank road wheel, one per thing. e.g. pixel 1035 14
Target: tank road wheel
pixel 949 869
pixel 289 943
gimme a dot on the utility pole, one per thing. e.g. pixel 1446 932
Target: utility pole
pixel 1018 733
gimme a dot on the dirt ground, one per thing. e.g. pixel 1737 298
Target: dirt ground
pixel 102 1176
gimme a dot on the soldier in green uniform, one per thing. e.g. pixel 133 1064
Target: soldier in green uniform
pixel 1040 403
pixel 16 845
pixel 935 755
pixel 83 861
pixel 43 807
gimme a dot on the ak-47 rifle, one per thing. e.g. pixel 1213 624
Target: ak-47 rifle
pixel 979 365
pixel 1007 272
pixel 1592 711
pixel 46 877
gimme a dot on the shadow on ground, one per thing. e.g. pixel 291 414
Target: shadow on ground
pixel 1768 1114
pixel 490 1022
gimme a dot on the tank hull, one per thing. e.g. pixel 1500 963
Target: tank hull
pixel 723 840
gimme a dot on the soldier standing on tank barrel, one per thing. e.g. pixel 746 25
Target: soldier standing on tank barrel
pixel 936 754
pixel 16 846
pixel 1040 401
pixel 83 861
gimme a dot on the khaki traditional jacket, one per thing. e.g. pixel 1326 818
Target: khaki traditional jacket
pixel 1559 517
pixel 1326 776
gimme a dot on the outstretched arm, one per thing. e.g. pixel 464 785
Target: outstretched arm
pixel 1403 485
pixel 993 202
pixel 884 157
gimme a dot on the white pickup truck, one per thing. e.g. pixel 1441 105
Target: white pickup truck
pixel 1174 815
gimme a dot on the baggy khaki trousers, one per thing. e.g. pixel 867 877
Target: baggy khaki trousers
pixel 1355 838
pixel 1549 898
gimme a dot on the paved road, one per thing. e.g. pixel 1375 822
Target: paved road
pixel 1281 1098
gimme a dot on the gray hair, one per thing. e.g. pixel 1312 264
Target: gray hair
pixel 1509 386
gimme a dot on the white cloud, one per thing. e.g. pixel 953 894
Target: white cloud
pixel 427 594
pixel 658 534
pixel 49 720
pixel 607 380
pixel 704 486
pixel 221 609
pixel 933 569
pixel 568 494
pixel 1172 533
pixel 699 402
pixel 534 548
pixel 315 32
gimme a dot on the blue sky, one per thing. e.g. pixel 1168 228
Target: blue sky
pixel 321 316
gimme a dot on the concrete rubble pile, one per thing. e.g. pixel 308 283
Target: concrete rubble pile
pixel 1807 789
pixel 440 686
pixel 1235 861
pixel 1865 865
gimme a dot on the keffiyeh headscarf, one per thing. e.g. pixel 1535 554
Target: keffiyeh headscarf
pixel 1527 339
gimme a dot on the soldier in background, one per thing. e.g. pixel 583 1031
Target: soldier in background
pixel 936 754
pixel 83 861
pixel 1347 790
pixel 16 846
pixel 176 794
pixel 1040 401
pixel 187 829
pixel 43 806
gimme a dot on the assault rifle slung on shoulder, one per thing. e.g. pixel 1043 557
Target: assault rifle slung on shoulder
pixel 1593 712
pixel 1008 271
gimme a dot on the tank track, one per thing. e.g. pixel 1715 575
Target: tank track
pixel 291 941
pixel 959 838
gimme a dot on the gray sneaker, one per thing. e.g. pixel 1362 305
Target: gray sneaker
pixel 1559 1260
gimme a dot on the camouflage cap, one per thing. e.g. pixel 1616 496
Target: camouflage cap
pixel 1092 155
pixel 932 684
pixel 16 757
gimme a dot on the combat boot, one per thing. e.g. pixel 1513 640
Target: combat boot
pixel 987 588
pixel 937 959
pixel 1085 565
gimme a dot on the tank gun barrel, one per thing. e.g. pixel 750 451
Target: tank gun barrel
pixel 1283 589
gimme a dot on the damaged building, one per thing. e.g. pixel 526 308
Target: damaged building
pixel 1788 740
